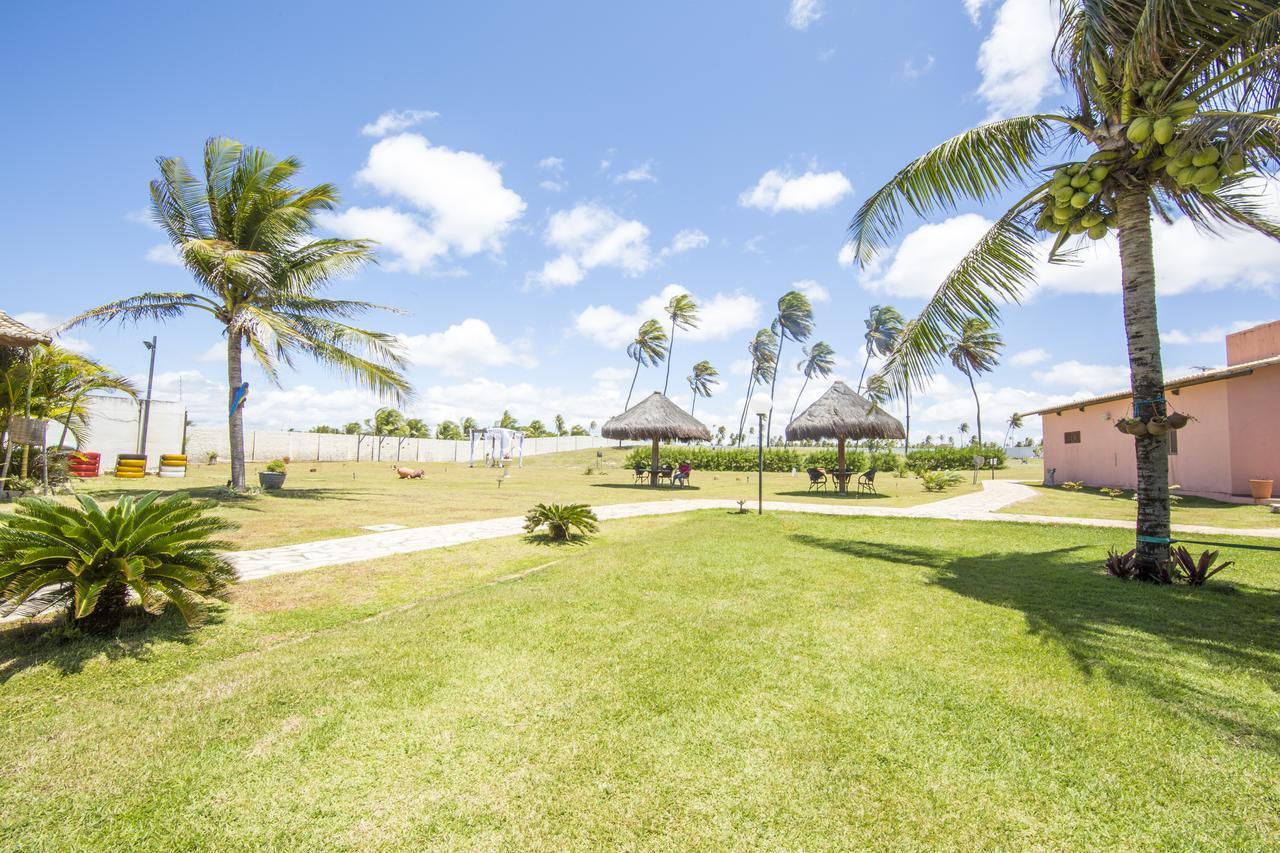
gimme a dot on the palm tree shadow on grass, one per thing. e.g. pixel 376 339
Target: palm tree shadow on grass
pixel 29 644
pixel 1066 599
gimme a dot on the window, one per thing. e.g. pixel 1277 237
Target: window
pixel 1071 437
pixel 1173 442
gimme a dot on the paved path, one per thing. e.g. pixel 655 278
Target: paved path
pixel 979 506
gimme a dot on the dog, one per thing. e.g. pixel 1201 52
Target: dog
pixel 409 473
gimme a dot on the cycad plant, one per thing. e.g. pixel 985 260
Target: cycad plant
pixel 562 520
pixel 700 381
pixel 763 350
pixel 975 350
pixel 795 321
pixel 243 231
pixel 883 325
pixel 89 559
pixel 683 312
pixel 819 360
pixel 1172 111
pixel 649 347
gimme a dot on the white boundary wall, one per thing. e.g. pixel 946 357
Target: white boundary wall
pixel 115 425
pixel 265 445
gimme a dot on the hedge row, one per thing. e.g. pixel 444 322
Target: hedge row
pixel 952 458
pixel 780 459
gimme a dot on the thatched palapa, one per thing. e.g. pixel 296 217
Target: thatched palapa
pixel 15 334
pixel 844 414
pixel 657 419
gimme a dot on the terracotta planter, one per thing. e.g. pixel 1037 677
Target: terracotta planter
pixel 1177 420
pixel 1261 489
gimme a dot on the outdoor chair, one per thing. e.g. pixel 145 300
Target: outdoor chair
pixel 642 474
pixel 664 473
pixel 817 479
pixel 867 483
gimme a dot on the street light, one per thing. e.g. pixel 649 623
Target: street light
pixel 146 404
pixel 760 407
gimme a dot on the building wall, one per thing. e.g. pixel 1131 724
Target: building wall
pixel 1254 409
pixel 115 425
pixel 1253 344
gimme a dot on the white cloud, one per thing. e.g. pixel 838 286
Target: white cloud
pixel 974 8
pixel 42 322
pixel 1087 379
pixel 552 164
pixel 812 289
pixel 802 13
pixel 913 71
pixel 720 316
pixel 1029 357
pixel 164 254
pixel 464 208
pixel 143 216
pixel 589 236
pixel 780 190
pixel 555 167
pixel 1014 60
pixel 393 121
pixel 752 245
pixel 1212 335
pixel 215 354
pixel 845 257
pixel 641 173
pixel 464 348
pixel 925 257
pixel 686 240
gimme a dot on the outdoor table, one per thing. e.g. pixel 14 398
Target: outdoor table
pixel 842 479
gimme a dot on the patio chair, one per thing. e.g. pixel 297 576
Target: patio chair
pixel 867 483
pixel 642 474
pixel 664 473
pixel 817 479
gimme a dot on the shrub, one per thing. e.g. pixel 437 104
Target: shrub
pixel 561 520
pixel 1111 493
pixel 953 458
pixel 88 559
pixel 1123 566
pixel 1195 571
pixel 277 466
pixel 1073 486
pixel 938 481
pixel 212 458
pixel 776 459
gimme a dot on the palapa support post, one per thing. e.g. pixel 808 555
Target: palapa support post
pixel 654 419
pixel 842 482
pixel 843 414
pixel 653 464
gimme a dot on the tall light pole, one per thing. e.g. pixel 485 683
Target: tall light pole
pixel 760 406
pixel 146 403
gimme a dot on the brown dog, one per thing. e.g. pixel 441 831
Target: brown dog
pixel 409 473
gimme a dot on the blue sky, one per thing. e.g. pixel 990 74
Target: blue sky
pixel 540 176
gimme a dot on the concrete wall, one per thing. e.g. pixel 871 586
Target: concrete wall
pixel 115 425
pixel 1253 405
pixel 265 445
pixel 1254 343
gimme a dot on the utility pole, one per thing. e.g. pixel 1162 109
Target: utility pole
pixel 146 403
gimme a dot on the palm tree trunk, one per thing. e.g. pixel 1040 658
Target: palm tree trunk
pixel 978 403
pixel 235 377
pixel 906 430
pixel 742 421
pixel 627 405
pixel 777 365
pixel 1146 374
pixel 694 404
pixel 863 375
pixel 671 345
pixel 799 397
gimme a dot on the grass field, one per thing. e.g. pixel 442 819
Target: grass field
pixel 704 680
pixel 1090 503
pixel 324 500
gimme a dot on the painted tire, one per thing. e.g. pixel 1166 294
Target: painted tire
pixel 130 466
pixel 172 474
pixel 180 470
pixel 129 475
pixel 172 457
pixel 88 455
pixel 141 456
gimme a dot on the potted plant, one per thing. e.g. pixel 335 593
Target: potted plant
pixel 1177 420
pixel 1261 489
pixel 272 477
pixel 1158 425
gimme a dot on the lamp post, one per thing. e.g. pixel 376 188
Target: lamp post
pixel 760 406
pixel 146 403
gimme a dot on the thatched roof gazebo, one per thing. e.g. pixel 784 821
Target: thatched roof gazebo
pixel 844 414
pixel 656 418
pixel 15 334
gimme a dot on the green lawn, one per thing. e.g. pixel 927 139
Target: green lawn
pixel 704 680
pixel 325 500
pixel 1090 503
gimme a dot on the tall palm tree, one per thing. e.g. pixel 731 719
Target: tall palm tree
pixel 1014 423
pixel 243 231
pixel 763 350
pixel 468 426
pixel 1174 105
pixel 819 360
pixel 700 381
pixel 683 312
pixel 884 324
pixel 975 350
pixel 963 430
pixel 649 347
pixel 59 381
pixel 794 320
pixel 877 390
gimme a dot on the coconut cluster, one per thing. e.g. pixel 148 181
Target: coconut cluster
pixel 1074 203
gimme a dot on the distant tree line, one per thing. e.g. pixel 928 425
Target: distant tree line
pixel 389 421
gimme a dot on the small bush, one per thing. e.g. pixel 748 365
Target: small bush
pixel 939 481
pixel 1112 493
pixel 776 459
pixel 953 458
pixel 277 466
pixel 561 520
pixel 1195 571
pixel 1073 486
pixel 1123 566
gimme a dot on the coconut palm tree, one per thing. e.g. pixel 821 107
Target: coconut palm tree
pixel 884 324
pixel 59 381
pixel 1014 423
pixel 877 390
pixel 468 426
pixel 963 429
pixel 700 381
pixel 819 360
pixel 975 350
pixel 683 312
pixel 648 348
pixel 417 428
pixel 1174 107
pixel 794 320
pixel 763 350
pixel 243 231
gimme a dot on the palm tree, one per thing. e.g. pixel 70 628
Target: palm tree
pixel 963 430
pixel 794 320
pixel 244 233
pixel 561 428
pixel 648 348
pixel 469 426
pixel 417 428
pixel 1015 423
pixel 683 312
pixel 877 391
pixel 700 381
pixel 763 350
pixel 884 324
pixel 59 380
pixel 1177 103
pixel 976 349
pixel 819 360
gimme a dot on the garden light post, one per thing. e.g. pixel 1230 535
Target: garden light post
pixel 761 408
pixel 146 403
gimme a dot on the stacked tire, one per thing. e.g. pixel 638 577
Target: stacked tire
pixel 131 466
pixel 83 463
pixel 173 465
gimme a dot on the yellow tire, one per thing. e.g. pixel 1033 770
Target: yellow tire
pixel 130 475
pixel 130 465
pixel 172 457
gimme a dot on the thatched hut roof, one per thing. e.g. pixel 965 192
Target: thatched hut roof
pixel 656 417
pixel 843 413
pixel 15 334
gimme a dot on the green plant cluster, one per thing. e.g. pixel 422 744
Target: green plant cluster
pixel 276 466
pixel 562 520
pixel 776 459
pixel 953 458
pixel 939 481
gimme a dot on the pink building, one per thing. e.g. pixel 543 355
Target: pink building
pixel 1233 439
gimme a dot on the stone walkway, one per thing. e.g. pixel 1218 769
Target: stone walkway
pixel 979 506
